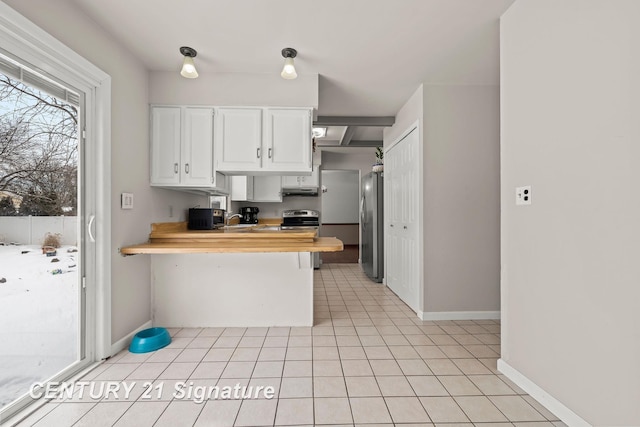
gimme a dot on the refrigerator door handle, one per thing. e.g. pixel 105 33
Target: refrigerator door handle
pixel 362 212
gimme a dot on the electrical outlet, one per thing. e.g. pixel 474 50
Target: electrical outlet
pixel 523 195
pixel 170 211
pixel 126 200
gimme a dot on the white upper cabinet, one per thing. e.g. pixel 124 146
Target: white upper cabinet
pixel 241 188
pixel 304 181
pixel 312 180
pixel 165 145
pixel 256 188
pixel 263 141
pixel 238 139
pixel 182 149
pixel 197 147
pixel 288 140
pixel 267 188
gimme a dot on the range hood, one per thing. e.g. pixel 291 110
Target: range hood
pixel 300 191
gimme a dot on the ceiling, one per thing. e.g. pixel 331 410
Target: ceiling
pixel 370 55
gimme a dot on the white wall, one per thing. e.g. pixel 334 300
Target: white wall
pixel 410 113
pixel 461 198
pixel 131 296
pixel 275 209
pixel 234 89
pixel 350 159
pixel 570 282
pixel 459 132
pixel 360 159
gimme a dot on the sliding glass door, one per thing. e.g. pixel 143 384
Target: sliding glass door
pixel 42 234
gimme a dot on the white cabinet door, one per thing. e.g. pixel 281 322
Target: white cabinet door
pixel 288 140
pixel 308 181
pixel 302 181
pixel 290 181
pixel 402 210
pixel 267 188
pixel 165 145
pixel 238 139
pixel 197 147
pixel 241 188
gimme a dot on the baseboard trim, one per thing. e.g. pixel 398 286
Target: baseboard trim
pixel 458 315
pixel 565 414
pixel 123 343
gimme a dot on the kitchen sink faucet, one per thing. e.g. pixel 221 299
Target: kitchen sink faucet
pixel 230 217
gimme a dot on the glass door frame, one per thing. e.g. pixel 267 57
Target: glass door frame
pixel 28 44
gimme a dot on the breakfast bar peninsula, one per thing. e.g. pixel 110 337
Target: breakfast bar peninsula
pixel 238 275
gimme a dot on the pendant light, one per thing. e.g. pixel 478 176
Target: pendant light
pixel 188 67
pixel 289 71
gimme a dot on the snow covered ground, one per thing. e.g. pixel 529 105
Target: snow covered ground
pixel 38 316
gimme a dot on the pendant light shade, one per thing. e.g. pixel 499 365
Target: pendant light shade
pixel 188 67
pixel 289 70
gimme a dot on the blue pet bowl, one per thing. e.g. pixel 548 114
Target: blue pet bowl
pixel 151 339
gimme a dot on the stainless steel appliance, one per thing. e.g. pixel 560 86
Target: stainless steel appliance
pixel 249 215
pixel 218 217
pixel 302 219
pixel 372 227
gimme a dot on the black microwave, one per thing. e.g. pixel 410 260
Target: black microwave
pixel 205 218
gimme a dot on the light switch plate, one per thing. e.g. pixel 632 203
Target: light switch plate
pixel 126 200
pixel 523 195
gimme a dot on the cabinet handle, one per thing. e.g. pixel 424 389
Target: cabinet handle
pixel 405 227
pixel 390 225
pixel 258 152
pixel 186 168
pixel 175 168
pixel 270 149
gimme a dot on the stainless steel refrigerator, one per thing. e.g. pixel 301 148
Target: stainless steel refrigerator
pixel 371 226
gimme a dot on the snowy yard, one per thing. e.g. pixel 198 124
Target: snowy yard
pixel 38 316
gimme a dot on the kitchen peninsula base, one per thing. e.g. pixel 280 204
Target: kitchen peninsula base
pixel 238 275
pixel 233 289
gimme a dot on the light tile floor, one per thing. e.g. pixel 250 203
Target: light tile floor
pixel 367 361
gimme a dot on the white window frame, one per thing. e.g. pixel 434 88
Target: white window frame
pixel 41 51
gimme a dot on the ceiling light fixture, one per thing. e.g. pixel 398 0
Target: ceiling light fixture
pixel 188 67
pixel 319 132
pixel 289 71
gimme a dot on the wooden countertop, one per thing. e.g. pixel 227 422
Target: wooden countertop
pixel 177 231
pixel 320 244
pixel 175 238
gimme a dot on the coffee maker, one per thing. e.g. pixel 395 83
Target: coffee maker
pixel 249 215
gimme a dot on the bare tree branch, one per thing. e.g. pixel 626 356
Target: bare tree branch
pixel 38 147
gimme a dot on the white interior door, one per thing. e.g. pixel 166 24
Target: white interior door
pixel 401 199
